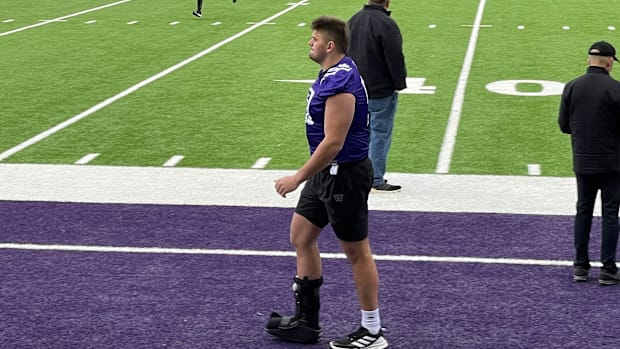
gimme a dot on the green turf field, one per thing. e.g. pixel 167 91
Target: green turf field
pixel 218 103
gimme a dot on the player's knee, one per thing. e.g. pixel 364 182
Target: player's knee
pixel 357 252
pixel 302 242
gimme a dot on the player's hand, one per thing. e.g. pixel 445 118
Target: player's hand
pixel 286 185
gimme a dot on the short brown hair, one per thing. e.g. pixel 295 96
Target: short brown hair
pixel 335 29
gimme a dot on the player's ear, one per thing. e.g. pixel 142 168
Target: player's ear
pixel 331 45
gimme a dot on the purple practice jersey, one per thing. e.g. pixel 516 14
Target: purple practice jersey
pixel 341 78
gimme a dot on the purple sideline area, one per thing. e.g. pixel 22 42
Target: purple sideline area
pixel 51 299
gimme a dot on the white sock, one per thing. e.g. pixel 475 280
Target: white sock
pixel 371 321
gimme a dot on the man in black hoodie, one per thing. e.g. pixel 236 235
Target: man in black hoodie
pixel 590 113
pixel 376 46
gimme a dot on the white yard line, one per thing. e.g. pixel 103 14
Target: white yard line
pixel 449 139
pixel 139 85
pixel 261 163
pixel 259 253
pixel 173 161
pixel 63 18
pixel 533 169
pixel 87 158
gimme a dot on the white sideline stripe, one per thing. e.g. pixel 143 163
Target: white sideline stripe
pixel 132 22
pixel 258 253
pixel 8 20
pixel 63 17
pixel 173 161
pixel 139 85
pixel 87 158
pixel 447 147
pixel 211 186
pixel 91 21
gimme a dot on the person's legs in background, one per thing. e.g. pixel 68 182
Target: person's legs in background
pixel 610 200
pixel 382 114
pixel 198 12
pixel 587 187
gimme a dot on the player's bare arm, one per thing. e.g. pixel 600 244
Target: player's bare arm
pixel 339 112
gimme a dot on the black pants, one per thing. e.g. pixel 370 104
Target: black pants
pixel 587 188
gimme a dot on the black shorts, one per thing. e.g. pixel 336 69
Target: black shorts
pixel 341 199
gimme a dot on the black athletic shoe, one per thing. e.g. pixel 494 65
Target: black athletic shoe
pixel 360 339
pixel 387 188
pixel 606 278
pixel 197 13
pixel 581 274
pixel 291 329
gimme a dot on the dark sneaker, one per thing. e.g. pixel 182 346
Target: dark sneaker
pixel 197 13
pixel 385 187
pixel 291 329
pixel 581 274
pixel 360 339
pixel 606 278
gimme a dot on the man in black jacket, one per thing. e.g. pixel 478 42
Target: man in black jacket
pixel 590 113
pixel 376 46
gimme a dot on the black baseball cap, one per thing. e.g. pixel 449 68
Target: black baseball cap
pixel 603 48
